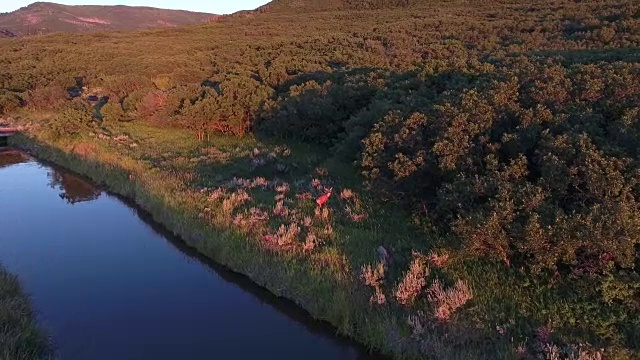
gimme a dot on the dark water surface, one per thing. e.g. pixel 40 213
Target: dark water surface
pixel 109 284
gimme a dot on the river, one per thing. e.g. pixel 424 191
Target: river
pixel 108 283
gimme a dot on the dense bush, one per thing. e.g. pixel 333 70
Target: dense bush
pixel 112 111
pixel 317 112
pixel 74 118
pixel 533 164
pixel 46 98
pixel 9 101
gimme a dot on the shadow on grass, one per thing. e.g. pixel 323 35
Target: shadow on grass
pixel 569 57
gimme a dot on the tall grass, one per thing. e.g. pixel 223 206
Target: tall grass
pixel 20 338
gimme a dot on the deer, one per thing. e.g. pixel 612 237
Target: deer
pixel 324 197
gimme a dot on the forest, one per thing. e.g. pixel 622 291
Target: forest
pixel 507 131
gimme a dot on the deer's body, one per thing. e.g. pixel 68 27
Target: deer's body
pixel 324 198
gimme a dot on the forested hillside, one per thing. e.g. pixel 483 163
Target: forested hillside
pixel 336 5
pixel 510 129
pixel 43 18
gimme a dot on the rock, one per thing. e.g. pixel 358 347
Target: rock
pixel 385 257
pixel 281 167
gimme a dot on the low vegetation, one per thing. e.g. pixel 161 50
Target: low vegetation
pixel 20 339
pixel 435 179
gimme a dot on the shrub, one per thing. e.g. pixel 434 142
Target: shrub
pixel 52 97
pixel 162 82
pixel 9 102
pixel 131 102
pixel 445 302
pixel 151 103
pixel 75 117
pixel 112 112
pixel 374 277
pixel 528 166
pixel 413 281
pixel 318 112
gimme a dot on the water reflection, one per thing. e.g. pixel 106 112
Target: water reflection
pixel 10 157
pixel 284 306
pixel 107 285
pixel 74 189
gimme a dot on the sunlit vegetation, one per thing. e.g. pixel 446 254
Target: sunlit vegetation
pixel 483 160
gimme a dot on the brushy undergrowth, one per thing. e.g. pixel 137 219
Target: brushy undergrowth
pixel 20 338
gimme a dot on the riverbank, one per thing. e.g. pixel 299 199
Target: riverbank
pixel 20 338
pixel 101 272
pixel 315 275
pixel 357 263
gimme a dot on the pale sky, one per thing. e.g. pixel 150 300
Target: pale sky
pixel 208 6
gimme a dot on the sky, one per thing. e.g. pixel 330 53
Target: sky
pixel 208 6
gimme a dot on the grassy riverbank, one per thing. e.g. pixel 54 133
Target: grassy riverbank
pixel 321 281
pixel 20 338
pixel 250 206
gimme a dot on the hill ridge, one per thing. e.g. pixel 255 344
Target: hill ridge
pixel 330 5
pixel 47 17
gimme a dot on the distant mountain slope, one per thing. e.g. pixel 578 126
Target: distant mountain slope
pixel 43 17
pixel 328 5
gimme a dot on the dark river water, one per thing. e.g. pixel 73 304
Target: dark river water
pixel 107 283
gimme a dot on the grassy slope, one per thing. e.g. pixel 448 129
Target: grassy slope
pixel 20 338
